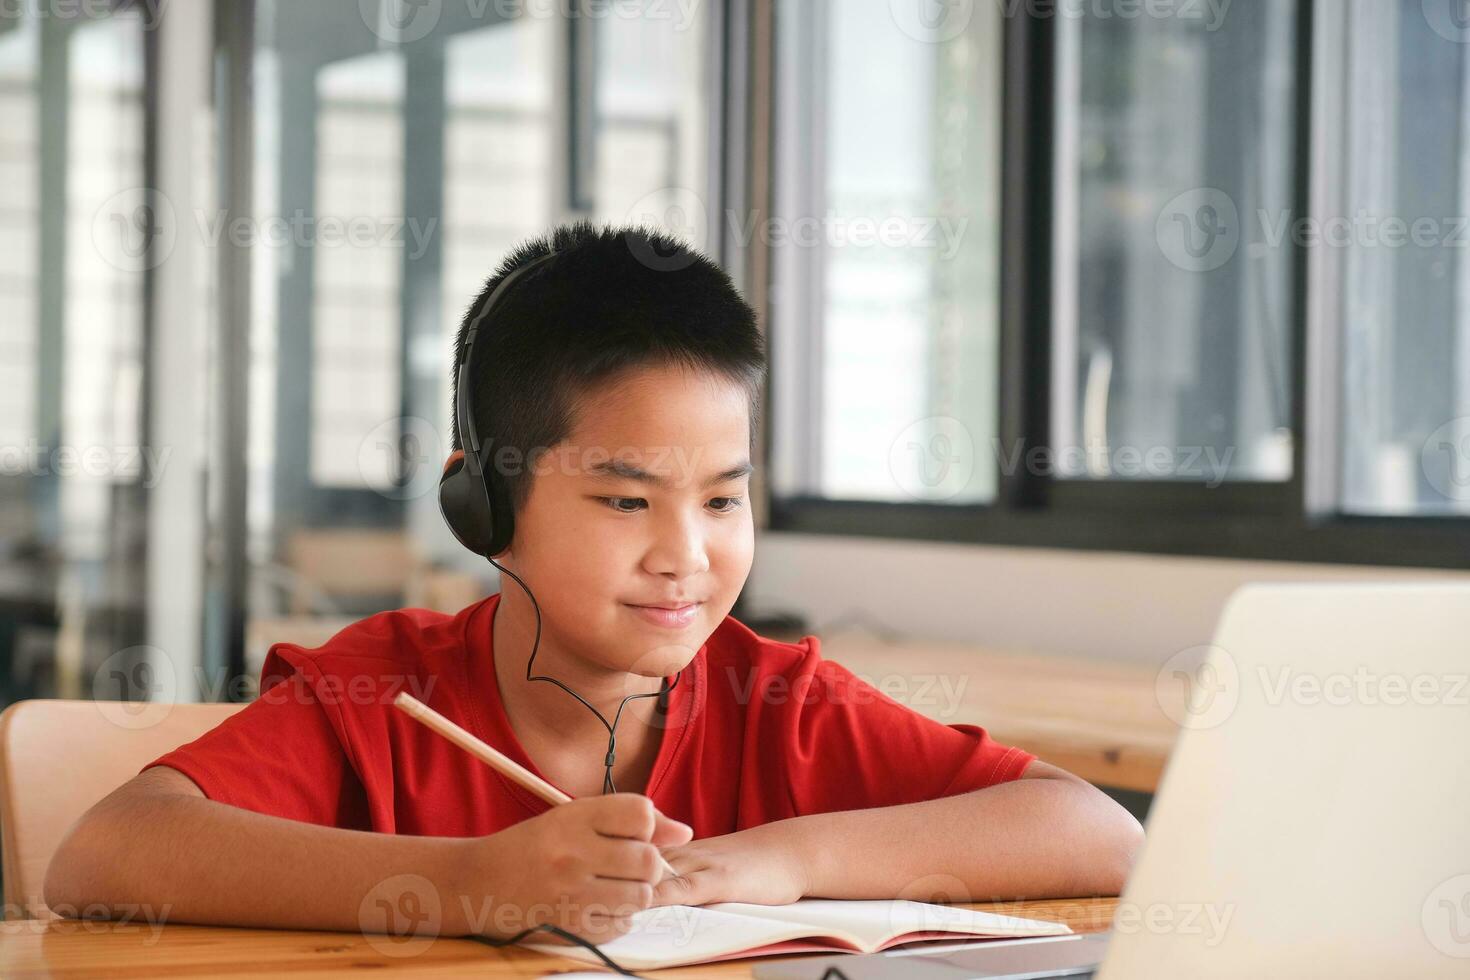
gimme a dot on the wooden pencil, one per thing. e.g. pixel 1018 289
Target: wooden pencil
pixel 498 761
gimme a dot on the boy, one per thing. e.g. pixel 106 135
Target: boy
pixel 621 377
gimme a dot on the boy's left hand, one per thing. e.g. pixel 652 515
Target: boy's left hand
pixel 756 866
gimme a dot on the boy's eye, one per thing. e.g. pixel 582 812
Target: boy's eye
pixel 726 504
pixel 631 505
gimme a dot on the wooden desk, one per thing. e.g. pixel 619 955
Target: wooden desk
pixel 1103 721
pixel 69 948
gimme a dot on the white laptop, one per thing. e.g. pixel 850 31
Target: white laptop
pixel 1314 817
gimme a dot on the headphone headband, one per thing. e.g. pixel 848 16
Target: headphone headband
pixel 480 516
pixel 469 437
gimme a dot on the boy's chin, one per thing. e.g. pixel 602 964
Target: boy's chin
pixel 660 661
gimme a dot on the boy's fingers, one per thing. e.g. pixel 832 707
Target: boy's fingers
pixel 627 860
pixel 668 832
pixel 624 815
pixel 684 889
pixel 633 816
pixel 619 898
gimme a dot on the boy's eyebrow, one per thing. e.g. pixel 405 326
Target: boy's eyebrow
pixel 620 469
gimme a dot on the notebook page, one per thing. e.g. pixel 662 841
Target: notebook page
pixel 873 923
pixel 674 935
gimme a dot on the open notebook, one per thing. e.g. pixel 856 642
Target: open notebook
pixel 679 935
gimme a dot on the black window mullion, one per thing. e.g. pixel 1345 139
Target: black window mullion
pixel 1025 255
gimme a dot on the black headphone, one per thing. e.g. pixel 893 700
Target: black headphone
pixel 476 505
pixel 472 496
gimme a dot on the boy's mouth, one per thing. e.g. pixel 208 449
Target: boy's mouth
pixel 668 615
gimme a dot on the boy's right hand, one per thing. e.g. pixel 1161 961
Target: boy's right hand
pixel 585 866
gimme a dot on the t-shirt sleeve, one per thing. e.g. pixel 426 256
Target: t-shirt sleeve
pixel 850 746
pixel 279 755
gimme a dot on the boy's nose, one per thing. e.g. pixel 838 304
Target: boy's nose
pixel 678 551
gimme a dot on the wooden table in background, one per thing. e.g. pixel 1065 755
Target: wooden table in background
pixel 1103 721
pixel 68 948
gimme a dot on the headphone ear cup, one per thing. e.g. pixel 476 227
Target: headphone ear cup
pixel 499 515
pixel 465 509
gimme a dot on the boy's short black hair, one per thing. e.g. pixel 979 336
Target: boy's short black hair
pixel 613 299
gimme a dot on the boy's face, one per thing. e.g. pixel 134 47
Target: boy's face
pixel 646 503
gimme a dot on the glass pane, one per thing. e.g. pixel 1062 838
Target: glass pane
pixel 20 240
pixel 651 114
pixel 499 148
pixel 1172 300
pixel 356 296
pixel 75 229
pixel 885 252
pixel 1400 238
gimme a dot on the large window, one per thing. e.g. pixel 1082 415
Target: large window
pixel 397 160
pixel 20 231
pixel 654 100
pixel 356 314
pixel 1394 233
pixel 1232 272
pixel 79 232
pixel 884 240
pixel 498 150
pixel 1174 146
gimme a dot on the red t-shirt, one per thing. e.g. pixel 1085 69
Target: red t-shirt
pixel 756 731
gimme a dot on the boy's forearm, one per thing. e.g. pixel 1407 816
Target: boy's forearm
pixel 179 858
pixel 1029 838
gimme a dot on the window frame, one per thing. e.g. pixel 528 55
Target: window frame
pixel 1294 520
